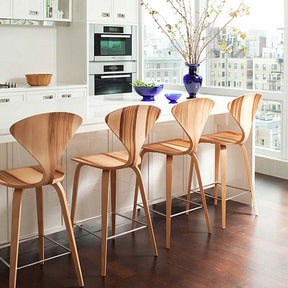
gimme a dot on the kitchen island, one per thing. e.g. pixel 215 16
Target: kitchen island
pixel 94 136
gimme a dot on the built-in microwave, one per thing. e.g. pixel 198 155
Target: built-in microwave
pixel 112 42
pixel 111 78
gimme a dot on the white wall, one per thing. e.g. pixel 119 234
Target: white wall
pixel 26 50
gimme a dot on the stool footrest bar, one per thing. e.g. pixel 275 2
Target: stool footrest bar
pixel 40 261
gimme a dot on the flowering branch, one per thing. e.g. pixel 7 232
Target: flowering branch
pixel 189 37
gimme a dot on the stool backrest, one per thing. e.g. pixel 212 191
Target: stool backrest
pixel 45 137
pixel 243 110
pixel 192 116
pixel 131 125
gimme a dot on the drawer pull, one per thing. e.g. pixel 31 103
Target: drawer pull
pixel 33 12
pixel 48 97
pixel 4 100
pixel 106 15
pixel 66 95
pixel 120 15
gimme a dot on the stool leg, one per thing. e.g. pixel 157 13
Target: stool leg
pixel 113 200
pixel 223 159
pixel 169 162
pixel 104 220
pixel 189 183
pixel 217 153
pixel 146 209
pixel 250 179
pixel 136 194
pixel 40 218
pixel 202 192
pixel 72 244
pixel 15 231
pixel 75 192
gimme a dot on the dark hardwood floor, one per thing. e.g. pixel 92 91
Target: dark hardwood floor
pixel 252 252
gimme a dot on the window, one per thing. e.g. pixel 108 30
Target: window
pixel 262 66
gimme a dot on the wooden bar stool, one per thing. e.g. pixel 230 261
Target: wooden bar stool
pixel 45 137
pixel 131 125
pixel 243 110
pixel 192 116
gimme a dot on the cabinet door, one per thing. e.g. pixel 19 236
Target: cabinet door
pixel 27 9
pixel 5 8
pixel 99 11
pixel 125 11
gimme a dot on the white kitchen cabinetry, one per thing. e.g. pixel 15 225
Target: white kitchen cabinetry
pixel 11 97
pixel 112 11
pixel 5 9
pixel 27 9
pixel 46 95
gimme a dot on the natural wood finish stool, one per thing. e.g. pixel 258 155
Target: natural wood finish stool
pixel 243 110
pixel 192 116
pixel 131 125
pixel 45 137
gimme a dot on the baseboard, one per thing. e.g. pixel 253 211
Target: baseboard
pixel 272 167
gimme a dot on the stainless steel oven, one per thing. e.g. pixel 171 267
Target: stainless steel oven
pixel 111 78
pixel 112 42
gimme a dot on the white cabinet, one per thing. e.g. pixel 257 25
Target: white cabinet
pixel 11 97
pixel 53 10
pixel 5 9
pixel 125 11
pixel 27 9
pixel 112 11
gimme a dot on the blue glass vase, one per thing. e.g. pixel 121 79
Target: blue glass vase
pixel 192 81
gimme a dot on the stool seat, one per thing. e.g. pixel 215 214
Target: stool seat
pixel 27 177
pixel 169 147
pixel 242 109
pixel 222 138
pixel 45 137
pixel 131 126
pixel 191 115
pixel 111 160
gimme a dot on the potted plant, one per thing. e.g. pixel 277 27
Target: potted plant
pixel 193 31
pixel 147 90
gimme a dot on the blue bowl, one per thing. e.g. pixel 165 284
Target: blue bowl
pixel 148 93
pixel 173 97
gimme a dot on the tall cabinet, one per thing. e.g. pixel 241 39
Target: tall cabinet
pixel 73 52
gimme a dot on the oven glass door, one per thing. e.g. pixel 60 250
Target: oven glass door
pixel 113 83
pixel 112 45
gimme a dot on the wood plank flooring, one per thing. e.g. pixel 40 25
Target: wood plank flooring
pixel 251 253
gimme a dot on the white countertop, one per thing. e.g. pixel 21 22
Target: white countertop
pixel 95 110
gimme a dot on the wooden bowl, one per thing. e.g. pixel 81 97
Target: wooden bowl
pixel 38 79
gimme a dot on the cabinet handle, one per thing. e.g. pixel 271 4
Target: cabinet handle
pixel 120 15
pixel 66 95
pixel 33 12
pixel 104 14
pixel 4 100
pixel 48 97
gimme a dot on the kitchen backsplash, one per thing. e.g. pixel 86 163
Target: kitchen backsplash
pixel 26 50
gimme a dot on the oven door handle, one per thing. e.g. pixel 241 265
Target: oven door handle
pixel 115 76
pixel 115 36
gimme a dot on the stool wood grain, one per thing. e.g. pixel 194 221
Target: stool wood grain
pixel 192 116
pixel 45 137
pixel 131 125
pixel 243 110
